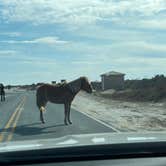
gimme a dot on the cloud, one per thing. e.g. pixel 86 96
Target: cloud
pixel 38 61
pixel 43 40
pixel 4 53
pixel 153 24
pixel 141 46
pixel 11 34
pixel 138 61
pixel 21 58
pixel 79 12
pixel 86 62
pixel 101 52
pixel 48 40
pixel 139 67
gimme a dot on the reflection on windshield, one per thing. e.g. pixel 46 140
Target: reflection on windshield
pixel 76 67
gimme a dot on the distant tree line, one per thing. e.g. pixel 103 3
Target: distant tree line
pixel 159 81
pixel 153 89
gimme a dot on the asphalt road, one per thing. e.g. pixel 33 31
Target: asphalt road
pixel 19 120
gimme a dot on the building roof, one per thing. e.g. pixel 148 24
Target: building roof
pixel 112 73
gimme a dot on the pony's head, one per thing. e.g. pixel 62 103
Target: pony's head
pixel 85 85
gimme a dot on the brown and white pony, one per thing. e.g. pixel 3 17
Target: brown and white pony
pixel 61 94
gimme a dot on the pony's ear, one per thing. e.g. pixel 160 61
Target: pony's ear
pixel 83 78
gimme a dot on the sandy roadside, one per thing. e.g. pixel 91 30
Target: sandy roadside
pixel 123 116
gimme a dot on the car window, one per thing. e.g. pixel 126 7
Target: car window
pixel 79 67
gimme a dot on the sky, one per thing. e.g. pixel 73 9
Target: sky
pixel 50 40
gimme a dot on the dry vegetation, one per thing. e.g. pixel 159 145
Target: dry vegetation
pixel 153 89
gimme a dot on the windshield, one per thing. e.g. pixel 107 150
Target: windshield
pixel 74 67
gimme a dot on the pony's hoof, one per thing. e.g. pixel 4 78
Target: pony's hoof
pixel 70 122
pixel 43 121
pixel 66 123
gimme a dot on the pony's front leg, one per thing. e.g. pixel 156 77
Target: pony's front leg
pixel 65 112
pixel 68 113
pixel 41 117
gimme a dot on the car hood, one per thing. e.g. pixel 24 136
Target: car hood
pixel 82 140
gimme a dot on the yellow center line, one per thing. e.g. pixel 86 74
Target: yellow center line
pixel 15 122
pixel 10 120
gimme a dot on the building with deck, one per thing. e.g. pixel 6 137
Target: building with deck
pixel 112 80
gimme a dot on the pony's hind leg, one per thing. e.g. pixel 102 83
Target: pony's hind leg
pixel 42 109
pixel 4 97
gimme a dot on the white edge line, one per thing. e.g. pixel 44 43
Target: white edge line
pixel 109 126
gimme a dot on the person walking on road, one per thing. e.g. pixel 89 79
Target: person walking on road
pixel 2 92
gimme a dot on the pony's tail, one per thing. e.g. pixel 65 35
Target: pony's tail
pixel 42 109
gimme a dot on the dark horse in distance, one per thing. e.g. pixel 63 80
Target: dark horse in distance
pixel 61 94
pixel 2 92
